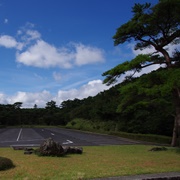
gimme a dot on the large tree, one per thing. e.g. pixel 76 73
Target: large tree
pixel 152 27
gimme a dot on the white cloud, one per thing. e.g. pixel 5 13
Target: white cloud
pixel 87 55
pixel 171 48
pixel 144 51
pixel 7 41
pixel 45 55
pixel 33 34
pixel 148 69
pixel 90 89
pixel 28 35
pixel 29 99
pixel 3 98
pixel 32 50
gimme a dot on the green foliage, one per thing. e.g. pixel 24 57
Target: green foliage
pixel 5 163
pixel 17 105
pixel 135 106
pixel 146 100
pixel 94 126
pixel 151 25
pixel 111 128
pixel 144 137
pixel 134 65
pixel 80 124
pixel 148 90
pixel 51 105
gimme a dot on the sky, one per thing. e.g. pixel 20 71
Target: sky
pixel 58 49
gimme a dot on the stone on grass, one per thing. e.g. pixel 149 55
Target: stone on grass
pixel 158 149
pixel 50 148
pixel 28 150
pixel 73 150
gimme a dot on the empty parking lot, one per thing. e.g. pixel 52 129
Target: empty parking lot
pixel 35 136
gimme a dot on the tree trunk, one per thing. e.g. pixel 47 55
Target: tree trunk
pixel 166 56
pixel 176 95
pixel 174 136
pixel 176 129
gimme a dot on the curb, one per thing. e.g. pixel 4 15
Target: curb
pixel 158 176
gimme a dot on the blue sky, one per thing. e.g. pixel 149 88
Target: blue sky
pixel 58 49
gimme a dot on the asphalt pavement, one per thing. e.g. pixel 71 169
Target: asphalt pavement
pixel 35 136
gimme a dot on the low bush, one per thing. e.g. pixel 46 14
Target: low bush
pixel 5 163
pixel 95 126
pixel 109 127
pixel 80 124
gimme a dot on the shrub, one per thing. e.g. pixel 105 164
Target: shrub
pixel 87 125
pixel 81 124
pixel 5 163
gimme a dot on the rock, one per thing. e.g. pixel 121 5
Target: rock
pixel 51 148
pixel 28 152
pixel 158 149
pixel 73 150
pixel 66 149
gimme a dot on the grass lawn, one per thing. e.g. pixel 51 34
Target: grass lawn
pixel 96 161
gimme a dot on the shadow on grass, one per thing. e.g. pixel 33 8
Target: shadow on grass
pixel 6 164
pixel 178 151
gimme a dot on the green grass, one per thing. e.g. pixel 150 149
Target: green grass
pixel 96 161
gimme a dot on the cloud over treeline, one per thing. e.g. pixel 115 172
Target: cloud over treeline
pixel 29 99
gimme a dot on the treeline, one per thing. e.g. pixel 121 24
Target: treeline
pixel 124 107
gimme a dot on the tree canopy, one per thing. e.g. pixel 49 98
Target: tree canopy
pixel 155 27
pixel 151 26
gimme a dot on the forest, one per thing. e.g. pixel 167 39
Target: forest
pixel 121 108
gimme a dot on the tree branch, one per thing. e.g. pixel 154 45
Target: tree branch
pixel 152 64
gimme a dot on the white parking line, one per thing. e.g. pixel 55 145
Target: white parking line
pixel 19 134
pixel 68 142
pixel 52 134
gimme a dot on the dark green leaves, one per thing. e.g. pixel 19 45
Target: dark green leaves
pixel 151 25
pixel 134 65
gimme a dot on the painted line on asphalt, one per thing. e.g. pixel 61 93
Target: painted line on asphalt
pixel 68 142
pixel 52 134
pixel 19 134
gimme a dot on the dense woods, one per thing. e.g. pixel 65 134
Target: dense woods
pixel 123 107
pixel 156 27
